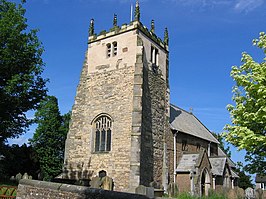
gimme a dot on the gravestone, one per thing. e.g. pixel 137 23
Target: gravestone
pixel 156 185
pixel 250 193
pixel 95 182
pixel 147 191
pixel 25 176
pixel 107 183
pixel 158 188
pixel 259 193
pixel 231 194
pixel 104 182
pixel 18 177
pixel 240 192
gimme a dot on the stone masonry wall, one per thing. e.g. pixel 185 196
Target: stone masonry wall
pixel 106 88
pixel 102 93
pixel 169 138
pixel 155 104
pixel 154 123
pixel 32 189
pixel 136 132
pixel 192 143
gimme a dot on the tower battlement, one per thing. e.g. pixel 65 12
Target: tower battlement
pixel 134 25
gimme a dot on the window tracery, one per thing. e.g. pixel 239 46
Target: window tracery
pixel 103 134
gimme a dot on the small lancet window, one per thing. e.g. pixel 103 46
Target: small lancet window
pixel 103 134
pixel 198 146
pixel 154 56
pixel 184 145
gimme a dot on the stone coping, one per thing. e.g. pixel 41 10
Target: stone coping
pixel 104 194
pixel 125 28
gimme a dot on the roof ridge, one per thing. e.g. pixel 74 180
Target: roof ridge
pixel 211 135
pixel 179 108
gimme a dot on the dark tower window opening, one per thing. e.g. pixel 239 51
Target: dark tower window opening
pixel 108 50
pixel 114 48
pixel 103 134
pixel 154 56
pixel 111 49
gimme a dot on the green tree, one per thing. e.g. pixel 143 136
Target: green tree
pixel 222 141
pixel 248 129
pixel 64 129
pixel 21 65
pixel 18 159
pixel 244 180
pixel 49 138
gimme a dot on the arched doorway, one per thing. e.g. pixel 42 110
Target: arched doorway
pixel 205 183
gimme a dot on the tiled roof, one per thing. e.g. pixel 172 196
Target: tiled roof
pixel 221 153
pixel 185 122
pixel 234 174
pixel 218 165
pixel 187 162
pixel 260 179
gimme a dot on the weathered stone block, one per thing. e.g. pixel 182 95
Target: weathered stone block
pixel 147 191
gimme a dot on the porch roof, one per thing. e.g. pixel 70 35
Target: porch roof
pixel 218 164
pixel 187 163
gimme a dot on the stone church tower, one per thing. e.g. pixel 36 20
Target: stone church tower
pixel 121 113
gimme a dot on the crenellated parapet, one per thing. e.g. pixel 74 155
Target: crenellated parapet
pixel 136 24
pixel 116 30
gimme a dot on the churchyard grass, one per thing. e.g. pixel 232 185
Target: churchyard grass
pixel 212 196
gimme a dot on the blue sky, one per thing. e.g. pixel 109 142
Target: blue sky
pixel 207 38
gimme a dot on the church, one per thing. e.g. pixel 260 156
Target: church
pixel 123 125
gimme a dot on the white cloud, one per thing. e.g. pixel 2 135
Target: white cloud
pixel 237 5
pixel 203 3
pixel 247 5
pixel 42 1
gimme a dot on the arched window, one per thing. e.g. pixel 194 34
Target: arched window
pixel 102 173
pixel 103 131
pixel 154 56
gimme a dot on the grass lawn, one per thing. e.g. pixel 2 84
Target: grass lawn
pixel 212 196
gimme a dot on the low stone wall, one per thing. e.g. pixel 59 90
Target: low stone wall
pixel 32 189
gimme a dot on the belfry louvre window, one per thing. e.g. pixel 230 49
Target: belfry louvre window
pixel 103 134
pixel 154 56
pixel 111 49
pixel 108 50
pixel 114 48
